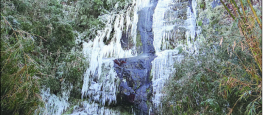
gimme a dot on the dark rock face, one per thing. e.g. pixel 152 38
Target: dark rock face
pixel 135 88
pixel 145 29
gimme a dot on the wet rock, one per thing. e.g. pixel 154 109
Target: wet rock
pixel 135 87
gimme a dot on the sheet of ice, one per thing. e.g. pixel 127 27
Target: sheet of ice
pixel 162 69
pixel 163 64
pixel 164 29
pixel 158 21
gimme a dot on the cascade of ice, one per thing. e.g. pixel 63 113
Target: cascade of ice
pixel 172 18
pixel 172 21
pixel 100 81
pixel 158 23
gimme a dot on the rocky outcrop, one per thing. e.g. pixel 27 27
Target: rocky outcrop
pixel 135 87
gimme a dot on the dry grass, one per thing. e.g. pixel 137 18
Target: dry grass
pixel 250 28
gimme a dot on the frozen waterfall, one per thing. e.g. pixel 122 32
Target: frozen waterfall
pixel 174 28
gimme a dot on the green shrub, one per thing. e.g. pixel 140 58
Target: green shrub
pixel 19 84
pixel 37 51
pixel 193 89
pixel 226 77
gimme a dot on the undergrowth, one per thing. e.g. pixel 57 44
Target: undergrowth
pixel 225 76
pixel 38 51
pixel 39 48
pixel 19 83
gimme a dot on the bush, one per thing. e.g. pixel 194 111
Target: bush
pixel 226 76
pixel 19 84
pixel 194 89
pixel 36 52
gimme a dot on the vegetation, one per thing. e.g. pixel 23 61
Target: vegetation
pixel 39 48
pixel 19 86
pixel 225 77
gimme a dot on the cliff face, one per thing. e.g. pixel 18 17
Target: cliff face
pixel 133 56
pixel 164 29
pixel 131 59
pixel 134 73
